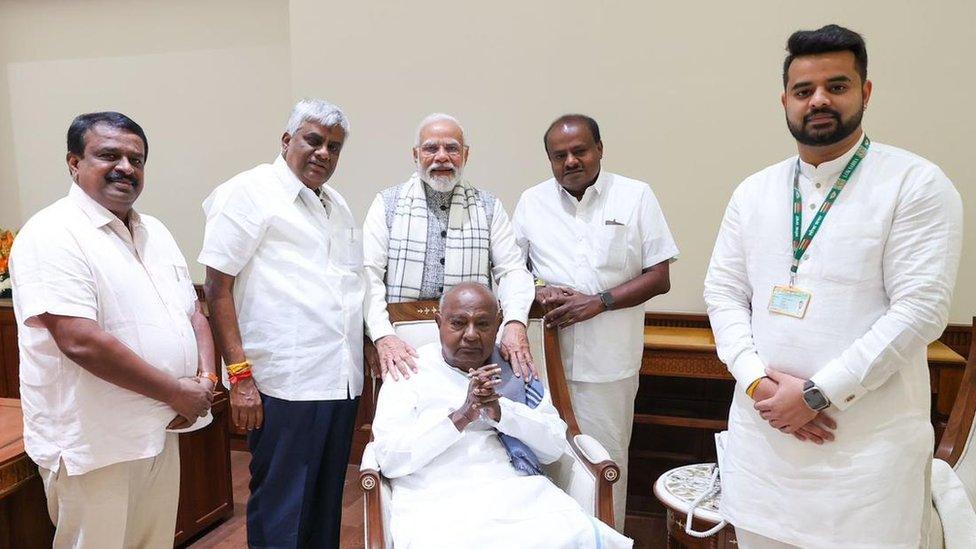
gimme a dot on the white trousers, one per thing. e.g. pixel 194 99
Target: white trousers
pixel 605 411
pixel 752 540
pixel 129 504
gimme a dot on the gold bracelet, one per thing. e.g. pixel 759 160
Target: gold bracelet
pixel 234 369
pixel 752 386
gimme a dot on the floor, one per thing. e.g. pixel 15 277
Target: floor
pixel 648 532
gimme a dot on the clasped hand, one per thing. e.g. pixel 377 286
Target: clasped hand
pixel 482 394
pixel 565 306
pixel 779 401
pixel 191 401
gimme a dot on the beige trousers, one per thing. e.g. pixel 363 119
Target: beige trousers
pixel 752 540
pixel 605 411
pixel 129 504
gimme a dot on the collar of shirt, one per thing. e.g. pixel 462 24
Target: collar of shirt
pixel 591 193
pixel 101 216
pixel 827 172
pixel 293 187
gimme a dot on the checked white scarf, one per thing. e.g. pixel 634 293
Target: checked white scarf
pixel 466 257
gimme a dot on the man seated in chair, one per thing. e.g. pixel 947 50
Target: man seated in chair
pixel 462 441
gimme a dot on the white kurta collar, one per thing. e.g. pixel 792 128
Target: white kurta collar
pixel 831 169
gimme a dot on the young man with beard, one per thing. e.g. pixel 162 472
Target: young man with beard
pixel 285 288
pixel 832 272
pixel 114 347
pixel 432 232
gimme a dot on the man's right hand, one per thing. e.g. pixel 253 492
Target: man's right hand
pixel 396 356
pixel 245 405
pixel 191 399
pixel 551 297
pixel 818 430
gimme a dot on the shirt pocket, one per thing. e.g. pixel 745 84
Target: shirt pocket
pixel 853 253
pixel 610 242
pixel 347 248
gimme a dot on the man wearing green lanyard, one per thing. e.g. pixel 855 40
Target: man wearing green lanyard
pixel 832 272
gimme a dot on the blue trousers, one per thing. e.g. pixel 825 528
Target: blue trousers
pixel 298 468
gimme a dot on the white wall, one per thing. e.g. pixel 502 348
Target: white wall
pixel 208 81
pixel 687 94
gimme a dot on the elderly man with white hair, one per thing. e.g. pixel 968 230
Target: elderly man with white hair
pixel 285 288
pixel 432 232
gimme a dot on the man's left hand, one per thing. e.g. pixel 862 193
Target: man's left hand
pixel 515 349
pixel 786 410
pixel 576 307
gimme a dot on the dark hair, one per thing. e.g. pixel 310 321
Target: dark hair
pixel 572 119
pixel 83 122
pixel 827 39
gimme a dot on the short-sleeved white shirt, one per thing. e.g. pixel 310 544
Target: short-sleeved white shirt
pixel 593 245
pixel 75 258
pixel 299 284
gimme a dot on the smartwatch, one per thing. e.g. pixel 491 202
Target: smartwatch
pixel 607 299
pixel 814 397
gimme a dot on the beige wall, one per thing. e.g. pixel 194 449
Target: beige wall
pixel 208 81
pixel 687 94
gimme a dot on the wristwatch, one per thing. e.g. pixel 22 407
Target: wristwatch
pixel 814 397
pixel 607 299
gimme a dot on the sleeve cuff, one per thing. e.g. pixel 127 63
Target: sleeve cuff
pixel 840 386
pixel 379 329
pixel 504 424
pixel 746 368
pixel 220 262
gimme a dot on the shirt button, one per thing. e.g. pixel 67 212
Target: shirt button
pixel 813 206
pixel 442 261
pixel 443 233
pixel 443 207
pixel 818 185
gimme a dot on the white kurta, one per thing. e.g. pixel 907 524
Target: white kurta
pixel 881 271
pixel 458 489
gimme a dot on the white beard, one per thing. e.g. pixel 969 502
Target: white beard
pixel 440 183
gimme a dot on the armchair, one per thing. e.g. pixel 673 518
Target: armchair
pixel 585 471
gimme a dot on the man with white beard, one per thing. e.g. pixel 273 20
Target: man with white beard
pixel 429 234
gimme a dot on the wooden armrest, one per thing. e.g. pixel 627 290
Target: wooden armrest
pixel 369 482
pixel 606 472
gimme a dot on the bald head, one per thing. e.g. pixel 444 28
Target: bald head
pixel 468 322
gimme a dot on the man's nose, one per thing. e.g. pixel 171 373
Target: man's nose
pixel 441 156
pixel 571 162
pixel 820 98
pixel 323 152
pixel 125 166
pixel 470 333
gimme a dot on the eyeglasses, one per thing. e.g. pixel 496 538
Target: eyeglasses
pixel 451 149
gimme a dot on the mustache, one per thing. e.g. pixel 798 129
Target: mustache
pixel 831 112
pixel 441 166
pixel 115 177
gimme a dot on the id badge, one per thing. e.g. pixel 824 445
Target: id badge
pixel 789 301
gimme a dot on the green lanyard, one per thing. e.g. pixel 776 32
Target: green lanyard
pixel 800 245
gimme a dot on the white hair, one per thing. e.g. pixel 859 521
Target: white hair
pixel 438 117
pixel 319 111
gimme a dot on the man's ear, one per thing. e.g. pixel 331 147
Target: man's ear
pixel 285 139
pixel 72 159
pixel 437 319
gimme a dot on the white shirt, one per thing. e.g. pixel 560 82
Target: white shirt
pixel 457 488
pixel 75 258
pixel 299 281
pixel 594 244
pixel 515 290
pixel 881 272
